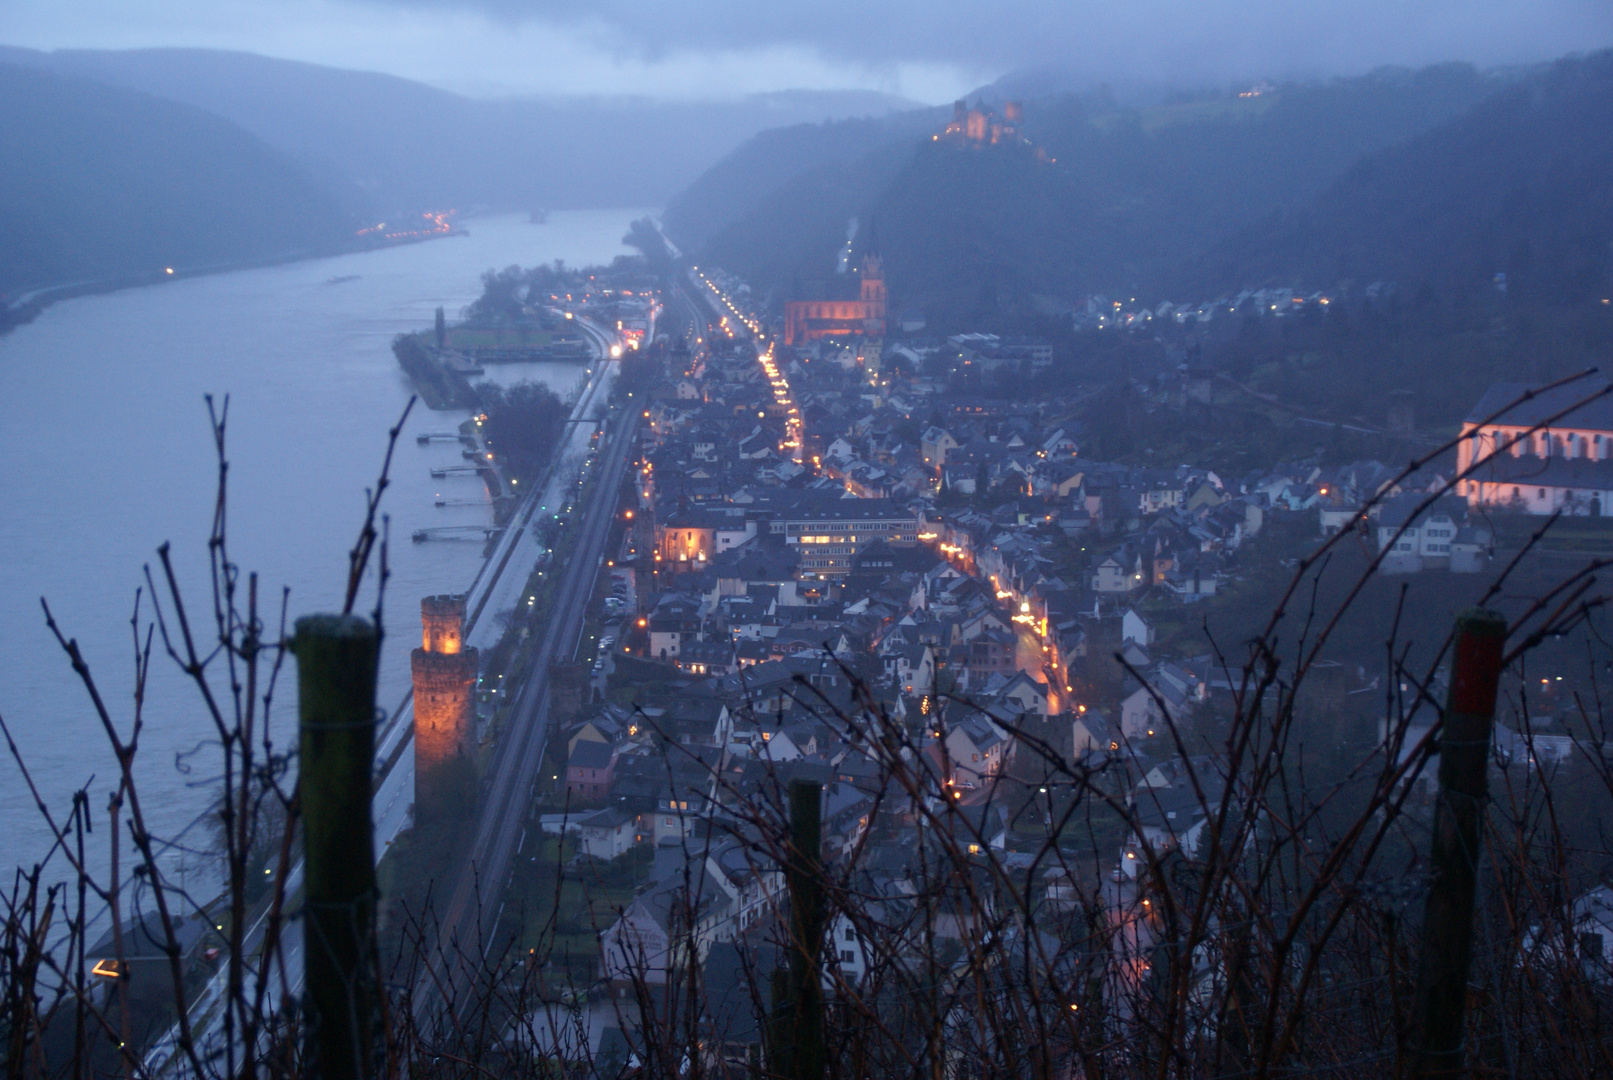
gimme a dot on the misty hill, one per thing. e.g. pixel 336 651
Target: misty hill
pixel 1521 184
pixel 770 169
pixel 1133 192
pixel 396 145
pixel 102 183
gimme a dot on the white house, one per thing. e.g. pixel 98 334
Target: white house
pixel 1170 817
pixel 603 834
pixel 1117 573
pixel 1437 538
pixel 1133 627
pixel 850 958
pixel 649 942
pixel 934 444
pixel 1024 694
pixel 777 745
pixel 1140 714
pixel 977 750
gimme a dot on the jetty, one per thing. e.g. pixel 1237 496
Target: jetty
pixel 456 532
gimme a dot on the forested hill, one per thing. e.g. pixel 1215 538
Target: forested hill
pixel 98 183
pixel 392 145
pixel 1136 200
pixel 1520 185
pixel 775 161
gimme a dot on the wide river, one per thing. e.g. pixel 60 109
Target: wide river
pixel 105 453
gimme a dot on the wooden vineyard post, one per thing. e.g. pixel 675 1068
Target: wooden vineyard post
pixel 1464 758
pixel 336 669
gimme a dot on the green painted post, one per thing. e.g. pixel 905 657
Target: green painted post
pixel 808 1057
pixel 337 656
pixel 1464 757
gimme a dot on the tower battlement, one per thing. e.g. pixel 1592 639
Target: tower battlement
pixel 444 676
pixel 442 620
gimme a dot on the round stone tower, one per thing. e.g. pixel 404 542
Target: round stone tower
pixel 444 704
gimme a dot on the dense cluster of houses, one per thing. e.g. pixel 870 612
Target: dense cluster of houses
pixel 816 551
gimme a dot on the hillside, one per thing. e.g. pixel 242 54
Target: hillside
pixel 391 144
pixel 101 183
pixel 1522 185
pixel 1133 193
pixel 771 165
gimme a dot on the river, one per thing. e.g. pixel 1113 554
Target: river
pixel 107 454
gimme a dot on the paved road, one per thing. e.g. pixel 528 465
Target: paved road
pixel 496 589
pixel 469 918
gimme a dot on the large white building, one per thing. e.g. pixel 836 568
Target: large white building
pixel 1566 465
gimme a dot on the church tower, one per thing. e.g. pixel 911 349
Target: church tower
pixel 444 674
pixel 873 290
pixel 873 305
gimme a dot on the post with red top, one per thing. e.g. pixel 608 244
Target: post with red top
pixel 1464 755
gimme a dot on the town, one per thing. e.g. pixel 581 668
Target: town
pixel 985 648
pixel 686 543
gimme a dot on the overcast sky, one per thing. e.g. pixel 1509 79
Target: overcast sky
pixel 928 50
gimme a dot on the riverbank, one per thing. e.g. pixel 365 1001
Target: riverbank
pixel 313 390
pixel 441 388
pixel 34 302
pixel 441 364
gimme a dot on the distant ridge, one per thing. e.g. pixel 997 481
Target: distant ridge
pixel 102 184
pixel 1293 184
pixel 390 145
pixel 1521 185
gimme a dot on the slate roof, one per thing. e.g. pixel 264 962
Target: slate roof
pixel 1595 415
pixel 588 754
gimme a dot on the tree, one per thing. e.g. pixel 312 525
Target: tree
pixel 523 423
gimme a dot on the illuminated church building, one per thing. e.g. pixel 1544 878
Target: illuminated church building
pixel 809 320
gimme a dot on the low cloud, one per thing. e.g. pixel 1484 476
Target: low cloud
pixel 1156 40
pixel 926 50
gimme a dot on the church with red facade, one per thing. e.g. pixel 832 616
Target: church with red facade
pixel 809 320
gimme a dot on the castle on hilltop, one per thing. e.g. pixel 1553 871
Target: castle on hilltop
pixel 981 126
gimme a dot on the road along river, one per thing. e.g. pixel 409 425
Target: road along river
pixel 106 454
